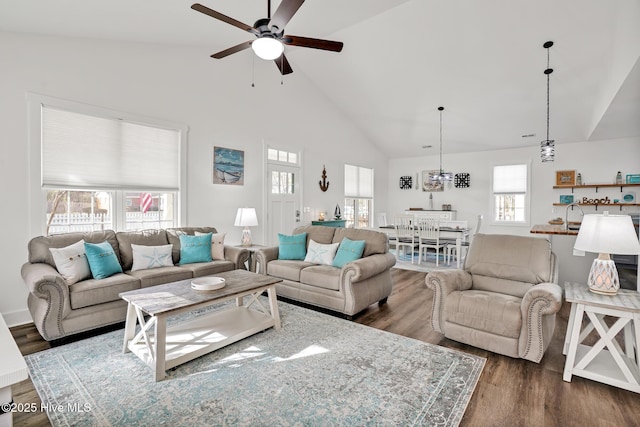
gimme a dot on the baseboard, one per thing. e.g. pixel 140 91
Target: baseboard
pixel 17 318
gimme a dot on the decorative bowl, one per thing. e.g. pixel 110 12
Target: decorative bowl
pixel 207 283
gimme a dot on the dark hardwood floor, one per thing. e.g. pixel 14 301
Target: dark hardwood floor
pixel 510 392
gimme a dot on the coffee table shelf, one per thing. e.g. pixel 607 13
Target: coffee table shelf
pixel 206 333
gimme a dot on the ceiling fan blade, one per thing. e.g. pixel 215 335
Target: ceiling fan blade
pixel 224 18
pixel 234 49
pixel 313 43
pixel 285 11
pixel 283 65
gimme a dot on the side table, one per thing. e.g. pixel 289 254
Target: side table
pixel 252 259
pixel 610 365
pixel 13 369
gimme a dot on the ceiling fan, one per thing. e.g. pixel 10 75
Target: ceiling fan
pixel 269 32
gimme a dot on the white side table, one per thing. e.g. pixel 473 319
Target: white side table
pixel 13 369
pixel 605 361
pixel 252 258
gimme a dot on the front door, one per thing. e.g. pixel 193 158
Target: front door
pixel 283 200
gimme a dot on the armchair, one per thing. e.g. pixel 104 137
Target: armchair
pixel 505 299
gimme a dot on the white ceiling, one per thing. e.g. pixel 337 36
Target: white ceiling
pixel 482 60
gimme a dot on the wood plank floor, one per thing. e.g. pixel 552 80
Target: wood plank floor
pixel 511 392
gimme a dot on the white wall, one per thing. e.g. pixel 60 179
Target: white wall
pixel 214 98
pixel 598 162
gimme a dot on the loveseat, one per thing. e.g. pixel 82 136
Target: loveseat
pixel 505 299
pixel 60 308
pixel 348 289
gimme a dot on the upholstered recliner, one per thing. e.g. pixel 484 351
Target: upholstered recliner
pixel 505 299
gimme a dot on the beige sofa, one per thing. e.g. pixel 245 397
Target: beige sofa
pixel 59 309
pixel 505 299
pixel 347 290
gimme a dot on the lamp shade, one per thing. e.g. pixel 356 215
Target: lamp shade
pixel 609 234
pixel 267 48
pixel 246 217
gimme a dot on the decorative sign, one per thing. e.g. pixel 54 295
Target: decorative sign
pixel 566 199
pixel 462 180
pixel 406 182
pixel 566 178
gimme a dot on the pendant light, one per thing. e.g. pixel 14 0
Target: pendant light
pixel 548 146
pixel 441 175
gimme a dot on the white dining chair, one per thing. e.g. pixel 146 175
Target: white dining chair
pixel 464 245
pixel 429 237
pixel 404 234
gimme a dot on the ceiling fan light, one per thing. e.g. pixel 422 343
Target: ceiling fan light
pixel 267 48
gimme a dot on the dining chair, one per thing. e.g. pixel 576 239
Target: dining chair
pixel 451 248
pixel 429 237
pixel 405 234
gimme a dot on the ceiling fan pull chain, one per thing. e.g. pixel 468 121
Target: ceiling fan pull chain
pixel 282 67
pixel 253 70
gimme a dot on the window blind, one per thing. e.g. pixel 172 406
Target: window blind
pixel 83 151
pixel 510 179
pixel 358 182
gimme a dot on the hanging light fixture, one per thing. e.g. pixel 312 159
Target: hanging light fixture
pixel 441 175
pixel 548 146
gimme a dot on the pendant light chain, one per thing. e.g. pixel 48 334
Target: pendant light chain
pixel 441 170
pixel 548 76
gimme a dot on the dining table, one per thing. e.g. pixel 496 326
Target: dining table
pixel 459 234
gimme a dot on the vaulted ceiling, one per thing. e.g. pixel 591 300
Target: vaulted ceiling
pixel 482 60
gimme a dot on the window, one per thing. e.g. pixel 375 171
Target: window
pixel 282 156
pixel 101 169
pixel 510 194
pixel 358 192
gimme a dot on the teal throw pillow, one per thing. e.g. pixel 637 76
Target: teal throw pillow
pixel 195 248
pixel 349 250
pixel 103 261
pixel 292 247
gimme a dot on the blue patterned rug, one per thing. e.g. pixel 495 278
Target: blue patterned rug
pixel 317 370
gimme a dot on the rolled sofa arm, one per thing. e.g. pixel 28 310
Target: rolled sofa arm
pixel 264 256
pixel 49 300
pixel 236 255
pixel 442 283
pixel 541 300
pixel 364 268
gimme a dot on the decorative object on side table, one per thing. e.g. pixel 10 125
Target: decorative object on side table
pixel 246 217
pixel 324 184
pixel 406 182
pixel 606 234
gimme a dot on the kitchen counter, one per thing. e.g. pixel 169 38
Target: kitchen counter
pixel 552 229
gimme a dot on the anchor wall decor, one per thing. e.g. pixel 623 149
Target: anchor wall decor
pixel 324 184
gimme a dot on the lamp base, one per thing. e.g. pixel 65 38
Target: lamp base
pixel 603 277
pixel 246 237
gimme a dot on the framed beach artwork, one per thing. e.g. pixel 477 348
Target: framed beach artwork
pixel 430 184
pixel 228 166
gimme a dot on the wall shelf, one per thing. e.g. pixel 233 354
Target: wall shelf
pixel 596 186
pixel 599 204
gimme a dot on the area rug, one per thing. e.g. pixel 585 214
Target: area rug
pixel 429 264
pixel 317 370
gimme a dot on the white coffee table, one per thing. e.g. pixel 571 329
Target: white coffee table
pixel 163 347
pixel 605 361
pixel 13 369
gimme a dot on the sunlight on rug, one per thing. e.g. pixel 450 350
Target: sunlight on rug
pixel 317 370
pixel 404 263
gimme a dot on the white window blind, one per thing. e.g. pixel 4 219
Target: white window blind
pixel 510 179
pixel 358 181
pixel 82 151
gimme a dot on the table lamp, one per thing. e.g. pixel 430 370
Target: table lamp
pixel 606 234
pixel 246 217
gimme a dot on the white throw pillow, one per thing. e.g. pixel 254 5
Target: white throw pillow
pixel 318 253
pixel 217 245
pixel 71 262
pixel 146 257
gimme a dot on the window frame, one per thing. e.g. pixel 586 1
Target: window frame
pixel 37 193
pixel 527 197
